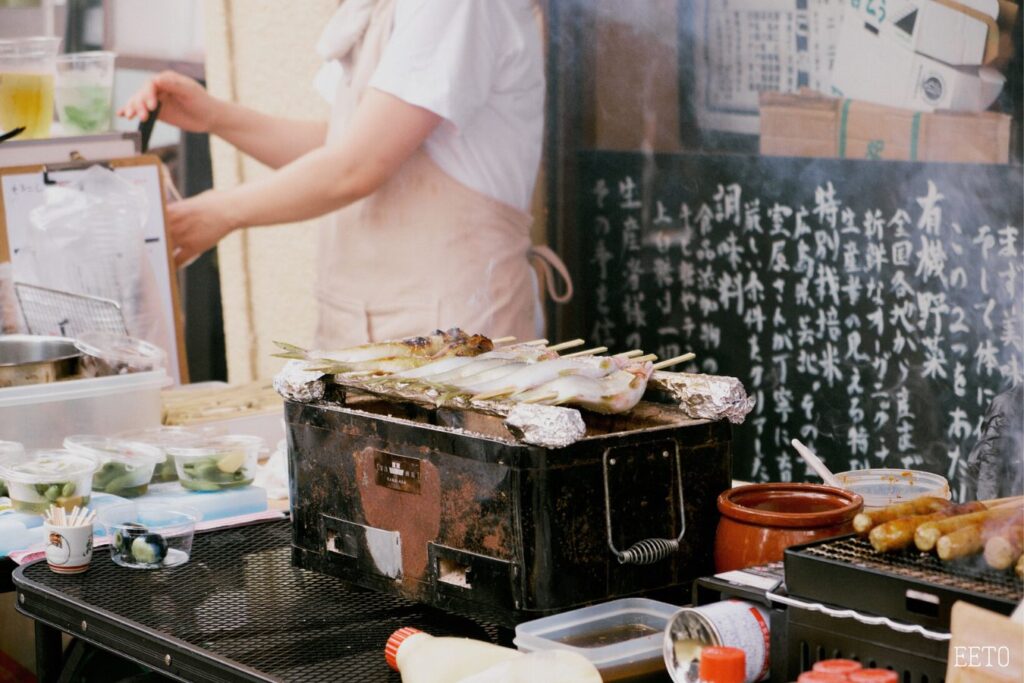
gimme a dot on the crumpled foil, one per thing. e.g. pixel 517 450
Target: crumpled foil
pixel 547 426
pixel 704 397
pixel 295 383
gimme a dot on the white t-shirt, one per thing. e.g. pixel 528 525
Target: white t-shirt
pixel 479 64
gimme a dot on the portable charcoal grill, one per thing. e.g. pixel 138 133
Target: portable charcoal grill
pixel 446 507
pixel 912 587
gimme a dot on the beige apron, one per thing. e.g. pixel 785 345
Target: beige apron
pixel 424 251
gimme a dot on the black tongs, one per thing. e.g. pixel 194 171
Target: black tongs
pixel 146 127
pixel 14 132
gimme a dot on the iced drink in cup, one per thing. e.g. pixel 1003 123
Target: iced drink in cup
pixel 27 69
pixel 85 92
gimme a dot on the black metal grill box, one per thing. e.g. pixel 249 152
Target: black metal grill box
pixel 446 507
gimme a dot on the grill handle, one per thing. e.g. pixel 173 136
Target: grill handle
pixel 649 550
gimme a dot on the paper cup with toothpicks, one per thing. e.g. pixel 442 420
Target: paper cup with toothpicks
pixel 68 539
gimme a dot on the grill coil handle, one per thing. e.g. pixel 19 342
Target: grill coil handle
pixel 649 550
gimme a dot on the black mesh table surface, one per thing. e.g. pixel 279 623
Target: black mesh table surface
pixel 238 610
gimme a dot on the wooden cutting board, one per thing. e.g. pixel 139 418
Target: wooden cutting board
pixel 985 647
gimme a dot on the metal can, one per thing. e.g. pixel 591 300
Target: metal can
pixel 733 623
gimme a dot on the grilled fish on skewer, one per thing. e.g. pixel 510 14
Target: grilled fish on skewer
pixel 536 374
pixel 617 392
pixel 519 352
pixel 453 342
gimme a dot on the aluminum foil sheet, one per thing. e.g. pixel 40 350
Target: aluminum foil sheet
pixel 295 383
pixel 704 397
pixel 547 426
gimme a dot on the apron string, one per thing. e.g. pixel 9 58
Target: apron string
pixel 547 260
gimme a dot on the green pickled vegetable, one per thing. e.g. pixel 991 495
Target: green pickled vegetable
pixel 215 473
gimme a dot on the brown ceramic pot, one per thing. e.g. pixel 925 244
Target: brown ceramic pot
pixel 761 520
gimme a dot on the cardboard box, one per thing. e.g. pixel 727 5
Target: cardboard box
pixel 810 125
pixel 873 67
pixel 948 31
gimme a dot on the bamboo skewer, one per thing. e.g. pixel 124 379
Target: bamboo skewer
pixel 589 352
pixel 572 343
pixel 542 398
pixel 629 354
pixel 536 342
pixel 646 359
pixel 503 340
pixel 674 361
pixel 1001 502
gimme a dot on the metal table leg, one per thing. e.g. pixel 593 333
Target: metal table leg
pixel 49 653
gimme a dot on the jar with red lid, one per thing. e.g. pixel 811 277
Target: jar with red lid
pixel 874 676
pixel 843 667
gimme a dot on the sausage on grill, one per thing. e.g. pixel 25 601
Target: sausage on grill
pixel 866 521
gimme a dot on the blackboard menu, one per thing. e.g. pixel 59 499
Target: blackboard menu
pixel 874 309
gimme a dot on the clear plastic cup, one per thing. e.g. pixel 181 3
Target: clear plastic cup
pixel 9 451
pixel 27 73
pixel 224 462
pixel 49 477
pixel 167 437
pixel 85 92
pixel 125 467
pixel 149 535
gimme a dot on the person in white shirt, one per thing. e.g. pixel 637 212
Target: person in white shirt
pixel 426 167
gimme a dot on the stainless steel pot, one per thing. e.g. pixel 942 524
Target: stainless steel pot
pixel 29 359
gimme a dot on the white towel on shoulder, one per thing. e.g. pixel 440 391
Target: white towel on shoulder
pixel 344 29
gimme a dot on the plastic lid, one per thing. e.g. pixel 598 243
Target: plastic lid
pixel 883 486
pixel 105 449
pixel 11 449
pixel 165 437
pixel 394 642
pixel 723 665
pixel 216 446
pixel 821 677
pixel 119 349
pixel 874 676
pixel 41 467
pixel 838 666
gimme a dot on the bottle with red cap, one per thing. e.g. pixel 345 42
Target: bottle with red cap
pixel 723 665
pixel 844 667
pixel 874 676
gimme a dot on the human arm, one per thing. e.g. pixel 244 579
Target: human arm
pixel 272 140
pixel 383 134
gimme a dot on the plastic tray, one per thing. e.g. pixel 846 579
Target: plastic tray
pixel 622 638
pixel 41 415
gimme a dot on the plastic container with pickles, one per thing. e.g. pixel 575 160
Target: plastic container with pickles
pixel 9 450
pixel 125 467
pixel 223 462
pixel 48 477
pixel 169 437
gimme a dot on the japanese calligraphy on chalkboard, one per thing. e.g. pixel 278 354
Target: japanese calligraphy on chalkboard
pixel 874 310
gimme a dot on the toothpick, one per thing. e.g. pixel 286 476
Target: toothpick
pixel 674 361
pixel 542 398
pixel 572 343
pixel 503 340
pixel 629 354
pixel 536 342
pixel 74 516
pixel 589 352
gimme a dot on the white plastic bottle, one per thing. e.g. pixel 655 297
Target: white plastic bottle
pixel 423 658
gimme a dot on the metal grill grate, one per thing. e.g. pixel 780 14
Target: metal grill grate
pixel 240 598
pixel 53 312
pixel 970 574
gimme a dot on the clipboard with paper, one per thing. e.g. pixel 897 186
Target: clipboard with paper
pixel 55 235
